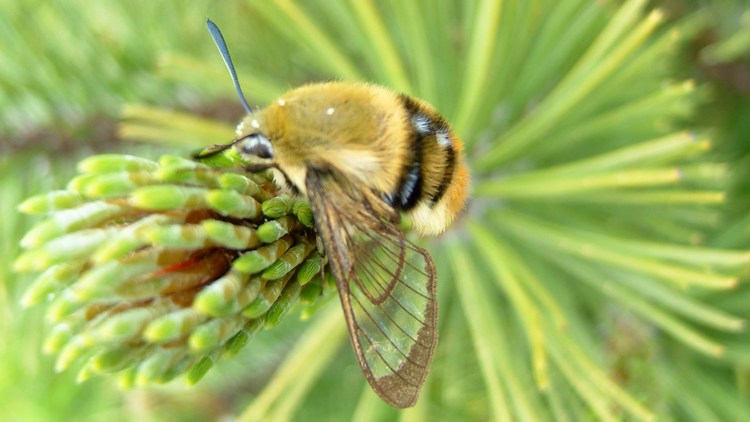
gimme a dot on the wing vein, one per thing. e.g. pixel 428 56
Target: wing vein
pixel 386 284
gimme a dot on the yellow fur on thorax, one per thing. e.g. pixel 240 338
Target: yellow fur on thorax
pixel 353 128
pixel 363 132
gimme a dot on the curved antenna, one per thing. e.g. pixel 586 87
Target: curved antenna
pixel 222 45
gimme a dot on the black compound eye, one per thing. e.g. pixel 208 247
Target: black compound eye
pixel 257 145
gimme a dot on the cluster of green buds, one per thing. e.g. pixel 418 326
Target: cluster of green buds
pixel 158 269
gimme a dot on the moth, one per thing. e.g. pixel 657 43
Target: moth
pixel 364 156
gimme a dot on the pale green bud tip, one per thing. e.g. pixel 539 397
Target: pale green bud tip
pixel 267 297
pixel 236 343
pixel 202 340
pixel 43 288
pixel 257 260
pixel 85 373
pixel 107 163
pixel 289 261
pixel 198 370
pixel 176 162
pixel 117 249
pixel 63 306
pixel 74 349
pixel 153 368
pixel 172 326
pixel 230 235
pixel 176 236
pixel 237 183
pixel 29 261
pixel 161 330
pixel 273 230
pixel 58 338
pixel 40 234
pixel 158 198
pixel 110 185
pixel 211 302
pixel 279 309
pixel 233 204
pixel 278 206
pixel 251 263
pixel 115 359
pixel 214 333
pixel 303 212
pixel 126 378
pixel 310 292
pixel 258 307
pixel 51 201
pixel 122 327
pixel 277 270
pixel 309 269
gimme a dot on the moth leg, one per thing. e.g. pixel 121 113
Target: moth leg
pixel 323 261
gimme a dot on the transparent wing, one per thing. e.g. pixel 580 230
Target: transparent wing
pixel 386 285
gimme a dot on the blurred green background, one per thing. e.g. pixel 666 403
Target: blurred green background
pixel 600 272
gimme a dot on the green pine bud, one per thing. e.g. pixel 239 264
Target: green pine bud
pixel 278 206
pixel 275 229
pixel 230 203
pixel 50 202
pixel 301 209
pixel 156 270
